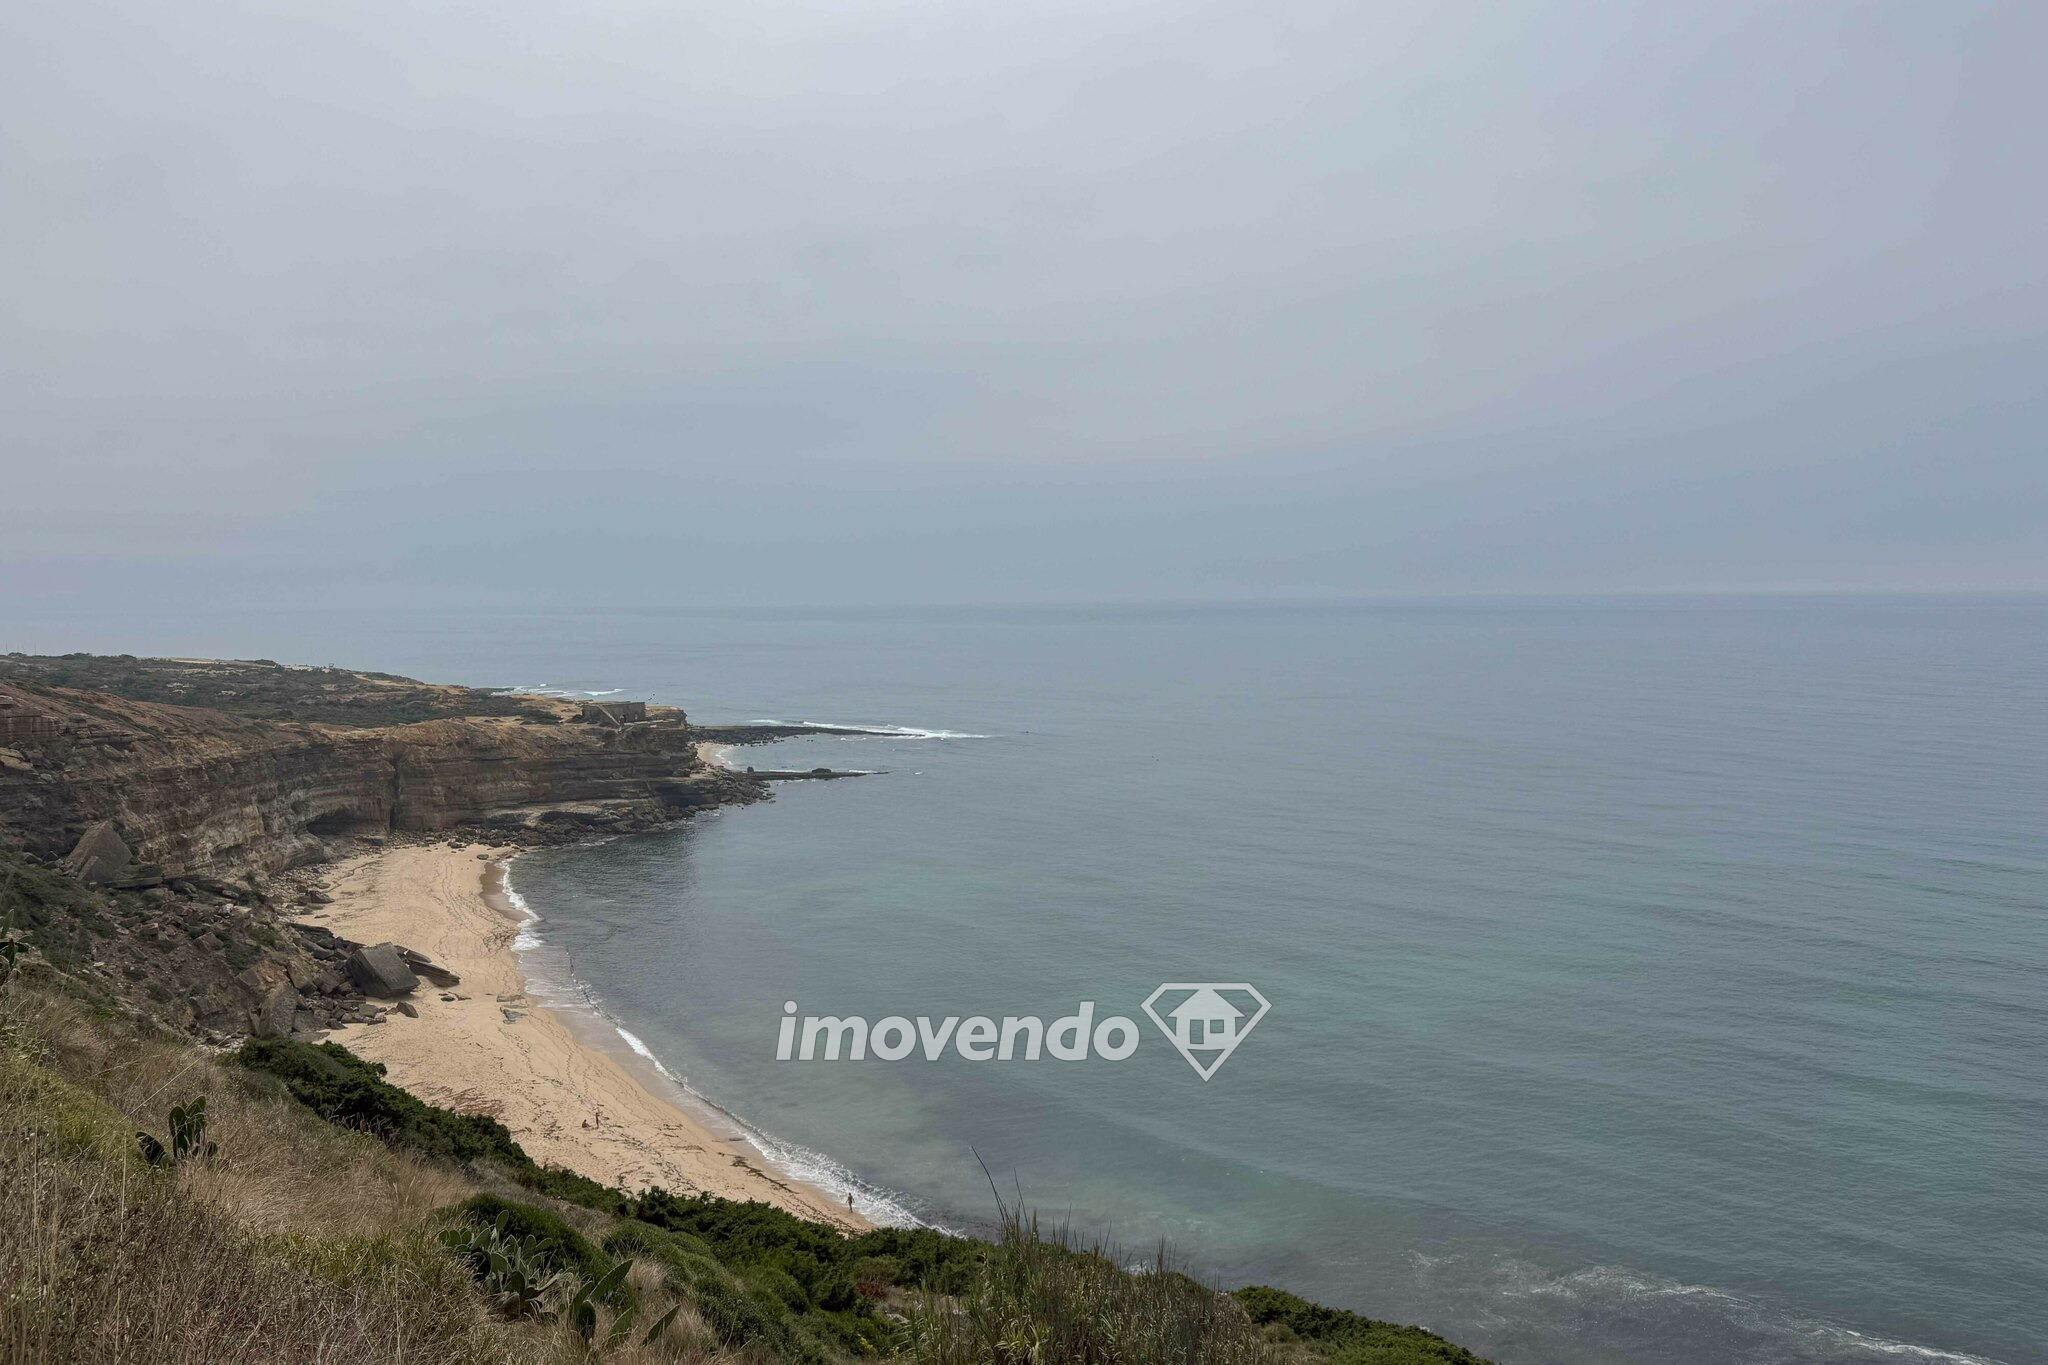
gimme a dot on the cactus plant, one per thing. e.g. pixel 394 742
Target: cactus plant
pixel 12 947
pixel 509 1270
pixel 582 1310
pixel 188 1137
pixel 512 1273
pixel 661 1324
pixel 188 1132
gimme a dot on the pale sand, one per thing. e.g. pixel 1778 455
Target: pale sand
pixel 717 755
pixel 499 1052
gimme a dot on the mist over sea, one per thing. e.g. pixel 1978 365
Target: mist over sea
pixel 1652 980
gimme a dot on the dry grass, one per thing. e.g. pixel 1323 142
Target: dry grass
pixel 297 1242
pixel 1037 1301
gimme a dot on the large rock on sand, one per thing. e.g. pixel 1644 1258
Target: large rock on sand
pixel 428 969
pixel 379 969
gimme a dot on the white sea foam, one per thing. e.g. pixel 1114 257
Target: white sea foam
pixel 545 690
pixel 633 1041
pixel 1844 1337
pixel 1614 1287
pixel 877 1205
pixel 813 1168
pixel 528 938
pixel 878 731
pixel 1615 1282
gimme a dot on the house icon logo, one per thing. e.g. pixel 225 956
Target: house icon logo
pixel 1208 1023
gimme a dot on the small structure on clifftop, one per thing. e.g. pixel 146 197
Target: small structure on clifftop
pixel 619 713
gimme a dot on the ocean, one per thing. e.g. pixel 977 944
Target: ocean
pixel 1651 980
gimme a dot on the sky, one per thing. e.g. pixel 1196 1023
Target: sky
pixel 488 303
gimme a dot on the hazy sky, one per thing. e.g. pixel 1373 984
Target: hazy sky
pixel 711 302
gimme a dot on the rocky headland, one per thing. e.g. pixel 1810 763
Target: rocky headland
pixel 234 771
pixel 164 822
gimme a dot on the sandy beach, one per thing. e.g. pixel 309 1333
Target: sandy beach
pixel 493 1049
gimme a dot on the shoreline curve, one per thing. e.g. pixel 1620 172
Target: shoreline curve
pixel 491 1046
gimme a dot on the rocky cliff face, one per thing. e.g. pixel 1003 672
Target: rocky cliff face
pixel 188 958
pixel 198 791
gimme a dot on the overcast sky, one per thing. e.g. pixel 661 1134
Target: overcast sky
pixel 733 302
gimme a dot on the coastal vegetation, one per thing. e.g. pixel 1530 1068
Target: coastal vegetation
pixel 262 689
pixel 327 1214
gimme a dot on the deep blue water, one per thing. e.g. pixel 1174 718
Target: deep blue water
pixel 1652 981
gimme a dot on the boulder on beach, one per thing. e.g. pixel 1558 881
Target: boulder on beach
pixel 426 968
pixel 379 969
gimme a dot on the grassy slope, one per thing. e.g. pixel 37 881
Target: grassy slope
pixel 302 1240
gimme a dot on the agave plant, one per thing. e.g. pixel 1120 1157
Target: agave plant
pixel 188 1131
pixel 188 1137
pixel 581 1313
pixel 13 946
pixel 510 1270
pixel 513 1274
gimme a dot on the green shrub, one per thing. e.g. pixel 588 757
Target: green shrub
pixel 512 1272
pixel 779 1285
pixel 923 1258
pixel 765 1279
pixel 542 1235
pixel 1037 1298
pixel 188 1137
pixel 877 1272
pixel 1348 1338
pixel 737 1314
pixel 352 1093
pixel 54 913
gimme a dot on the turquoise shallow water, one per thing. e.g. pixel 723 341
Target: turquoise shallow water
pixel 1652 981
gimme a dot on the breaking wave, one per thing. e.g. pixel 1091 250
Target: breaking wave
pixel 543 690
pixel 884 1207
pixel 1610 1306
pixel 879 731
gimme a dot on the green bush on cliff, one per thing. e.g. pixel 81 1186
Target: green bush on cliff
pixel 1347 1338
pixel 736 1312
pixel 557 1245
pixel 55 913
pixel 786 1264
pixel 752 1233
pixel 352 1093
pixel 1038 1297
pixel 766 1281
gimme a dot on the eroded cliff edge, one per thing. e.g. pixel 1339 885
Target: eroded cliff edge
pixel 230 783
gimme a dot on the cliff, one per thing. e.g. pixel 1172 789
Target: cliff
pixel 202 791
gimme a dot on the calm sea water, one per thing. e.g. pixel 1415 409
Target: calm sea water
pixel 1652 981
